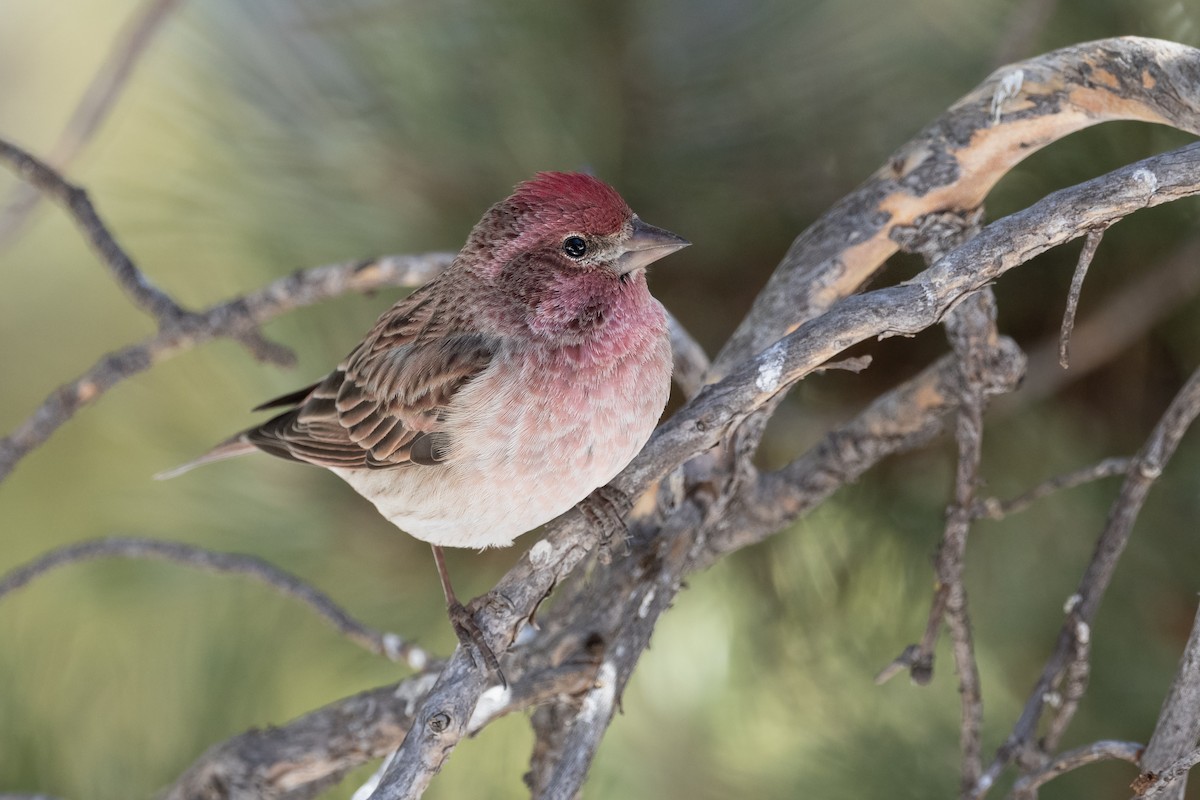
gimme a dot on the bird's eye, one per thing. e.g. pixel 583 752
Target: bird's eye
pixel 575 247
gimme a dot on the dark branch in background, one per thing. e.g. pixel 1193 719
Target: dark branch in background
pixel 1027 20
pixel 385 644
pixel 101 95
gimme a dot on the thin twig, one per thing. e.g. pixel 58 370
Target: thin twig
pixel 1081 268
pixel 1112 328
pixel 995 508
pixel 1074 684
pixel 74 200
pixel 93 108
pixel 385 644
pixel 1026 786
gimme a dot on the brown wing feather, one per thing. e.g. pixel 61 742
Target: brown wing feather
pixel 388 395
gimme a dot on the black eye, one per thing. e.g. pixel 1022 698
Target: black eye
pixel 574 246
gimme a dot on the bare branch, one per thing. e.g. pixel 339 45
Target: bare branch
pixel 955 162
pixel 74 200
pixel 1027 785
pixel 1178 727
pixel 1075 677
pixel 1119 321
pixel 995 508
pixel 1068 323
pixel 384 644
pixel 99 98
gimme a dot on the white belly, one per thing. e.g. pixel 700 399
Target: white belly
pixel 524 450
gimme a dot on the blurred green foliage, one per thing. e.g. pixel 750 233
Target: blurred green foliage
pixel 260 136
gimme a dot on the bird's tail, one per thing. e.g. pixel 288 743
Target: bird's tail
pixel 233 446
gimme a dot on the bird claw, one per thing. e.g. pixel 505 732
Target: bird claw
pixel 471 637
pixel 606 510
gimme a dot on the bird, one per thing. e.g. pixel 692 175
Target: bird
pixel 505 390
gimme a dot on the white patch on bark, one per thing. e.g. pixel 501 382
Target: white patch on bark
pixel 540 553
pixel 490 703
pixel 644 608
pixel 770 372
pixel 1010 87
pixel 598 702
pixel 1146 177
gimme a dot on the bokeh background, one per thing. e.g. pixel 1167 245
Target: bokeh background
pixel 261 136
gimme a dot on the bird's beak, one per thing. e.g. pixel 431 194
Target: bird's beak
pixel 646 245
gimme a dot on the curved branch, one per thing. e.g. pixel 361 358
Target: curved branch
pixel 955 162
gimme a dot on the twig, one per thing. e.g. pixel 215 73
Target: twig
pixel 1178 726
pixel 1090 243
pixel 971 327
pixel 1143 471
pixel 1026 786
pixel 385 644
pixel 995 508
pixel 1120 320
pixel 99 98
pixel 1074 681
pixel 1151 785
pixel 45 178
pixel 167 313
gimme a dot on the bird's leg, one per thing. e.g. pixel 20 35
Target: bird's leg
pixel 606 510
pixel 463 621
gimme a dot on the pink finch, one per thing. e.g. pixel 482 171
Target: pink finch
pixel 504 391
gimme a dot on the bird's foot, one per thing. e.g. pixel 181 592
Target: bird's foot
pixel 468 633
pixel 606 510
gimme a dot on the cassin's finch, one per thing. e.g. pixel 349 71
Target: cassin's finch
pixel 504 391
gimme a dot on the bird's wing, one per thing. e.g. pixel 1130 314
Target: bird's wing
pixel 385 404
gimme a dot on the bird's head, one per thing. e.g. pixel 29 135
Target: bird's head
pixel 571 223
